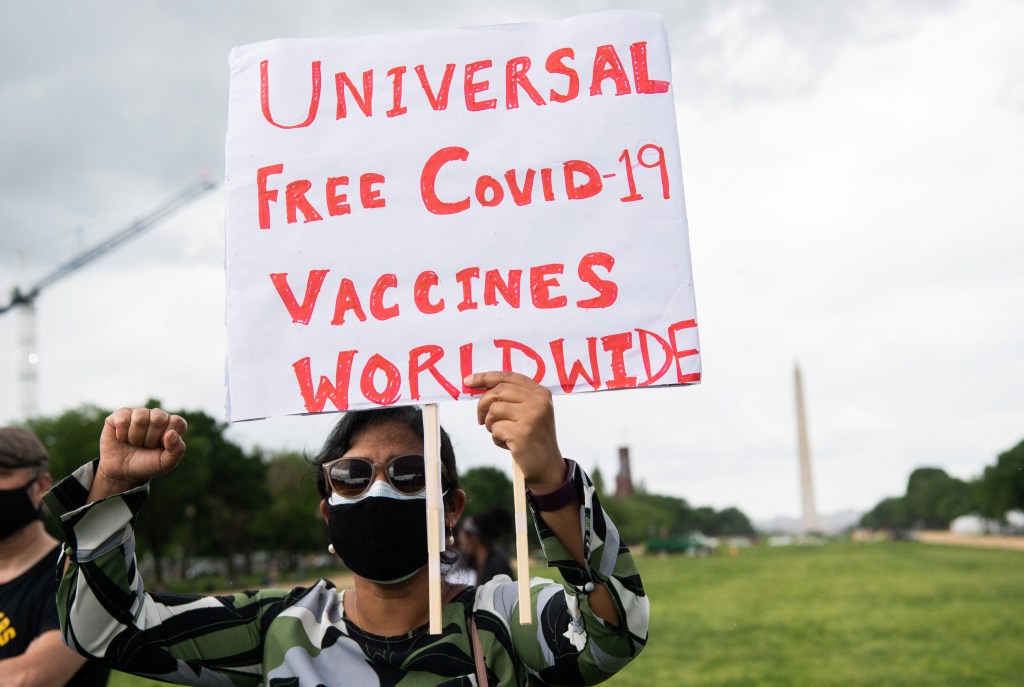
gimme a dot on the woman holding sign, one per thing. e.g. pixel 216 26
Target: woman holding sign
pixel 371 475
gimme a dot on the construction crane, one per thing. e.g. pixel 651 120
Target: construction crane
pixel 24 300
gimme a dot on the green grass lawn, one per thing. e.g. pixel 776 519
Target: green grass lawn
pixel 841 614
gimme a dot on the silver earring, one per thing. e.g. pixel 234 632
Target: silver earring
pixel 330 549
pixel 451 536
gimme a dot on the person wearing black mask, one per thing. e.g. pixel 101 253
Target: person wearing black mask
pixel 31 650
pixel 371 478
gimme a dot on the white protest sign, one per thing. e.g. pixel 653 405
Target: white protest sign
pixel 405 209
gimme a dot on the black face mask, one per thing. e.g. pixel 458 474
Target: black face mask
pixel 381 538
pixel 17 510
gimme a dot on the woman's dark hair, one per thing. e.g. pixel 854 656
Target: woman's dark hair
pixel 354 422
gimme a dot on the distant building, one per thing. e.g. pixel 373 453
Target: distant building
pixel 624 480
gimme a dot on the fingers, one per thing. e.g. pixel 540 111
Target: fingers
pixel 501 402
pixel 513 405
pixel 497 411
pixel 144 427
pixel 174 445
pixel 157 425
pixel 178 424
pixel 519 414
pixel 139 426
pixel 510 387
pixel 174 449
pixel 489 380
pixel 500 420
pixel 118 422
pixel 138 444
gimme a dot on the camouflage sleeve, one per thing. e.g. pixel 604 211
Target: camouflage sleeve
pixel 106 614
pixel 568 644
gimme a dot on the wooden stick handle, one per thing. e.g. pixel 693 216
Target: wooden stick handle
pixel 435 510
pixel 522 545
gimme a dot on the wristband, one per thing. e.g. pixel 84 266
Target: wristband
pixel 560 497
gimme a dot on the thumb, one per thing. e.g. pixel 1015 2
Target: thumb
pixel 174 449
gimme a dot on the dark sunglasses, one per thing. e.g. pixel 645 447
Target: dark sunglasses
pixel 352 477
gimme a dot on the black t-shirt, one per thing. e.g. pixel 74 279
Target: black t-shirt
pixel 28 608
pixel 496 563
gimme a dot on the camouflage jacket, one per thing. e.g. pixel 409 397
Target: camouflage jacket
pixel 302 637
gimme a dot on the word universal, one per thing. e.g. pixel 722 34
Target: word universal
pixel 559 81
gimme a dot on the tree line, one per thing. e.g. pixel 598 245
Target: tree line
pixel 227 503
pixel 933 499
pixel 645 516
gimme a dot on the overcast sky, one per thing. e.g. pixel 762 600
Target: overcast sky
pixel 853 176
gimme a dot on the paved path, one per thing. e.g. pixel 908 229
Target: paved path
pixel 986 541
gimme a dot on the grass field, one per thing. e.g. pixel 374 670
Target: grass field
pixel 894 614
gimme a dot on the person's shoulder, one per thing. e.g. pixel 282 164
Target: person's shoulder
pixel 502 587
pixel 498 580
pixel 321 588
pixel 320 593
pixel 491 589
pixel 318 597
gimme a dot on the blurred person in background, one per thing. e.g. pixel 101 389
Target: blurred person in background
pixel 31 650
pixel 479 542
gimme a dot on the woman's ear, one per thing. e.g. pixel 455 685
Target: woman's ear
pixel 456 504
pixel 323 509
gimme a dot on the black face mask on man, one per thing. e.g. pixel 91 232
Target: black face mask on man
pixel 17 509
pixel 380 535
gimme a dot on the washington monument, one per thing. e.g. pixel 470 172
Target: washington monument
pixel 809 521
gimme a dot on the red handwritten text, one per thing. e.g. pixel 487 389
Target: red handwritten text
pixel 558 82
pixel 492 287
pixel 335 197
pixel 382 381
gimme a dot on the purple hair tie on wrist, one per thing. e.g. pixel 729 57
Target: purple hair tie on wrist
pixel 560 497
